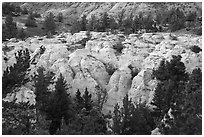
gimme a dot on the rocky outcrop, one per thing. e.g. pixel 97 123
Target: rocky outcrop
pixel 99 66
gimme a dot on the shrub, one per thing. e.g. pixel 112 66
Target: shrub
pixel 118 47
pixel 60 17
pixel 110 69
pixel 198 31
pixel 134 71
pixel 195 49
pixel 36 15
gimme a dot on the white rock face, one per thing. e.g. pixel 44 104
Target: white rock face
pixel 86 67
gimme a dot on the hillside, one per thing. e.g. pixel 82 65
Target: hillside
pixel 103 81
pixel 77 9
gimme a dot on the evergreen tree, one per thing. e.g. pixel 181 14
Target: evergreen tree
pixel 24 11
pixel 21 34
pixel 92 25
pixel 14 76
pixel 176 19
pixel 60 106
pixel 191 16
pixel 18 10
pixel 78 101
pixel 17 117
pixel 88 119
pixel 117 118
pixel 9 28
pixel 41 83
pixel 7 8
pixel 87 100
pixel 181 94
pixel 136 24
pixel 83 23
pixel 105 22
pixel 30 22
pixel 49 24
pixel 188 120
pixel 132 119
pixel 120 18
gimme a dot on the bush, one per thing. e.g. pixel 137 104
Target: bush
pixel 195 49
pixel 118 47
pixel 110 69
pixel 198 31
pixel 36 15
pixel 60 17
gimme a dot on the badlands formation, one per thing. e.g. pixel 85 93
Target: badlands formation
pixel 89 66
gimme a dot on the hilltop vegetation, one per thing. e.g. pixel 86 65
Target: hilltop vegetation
pixel 160 20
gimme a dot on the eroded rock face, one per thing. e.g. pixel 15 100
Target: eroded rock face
pixel 88 67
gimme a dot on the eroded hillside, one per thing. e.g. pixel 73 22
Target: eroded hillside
pixel 100 66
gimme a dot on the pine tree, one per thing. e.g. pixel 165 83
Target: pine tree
pixel 87 100
pixel 88 119
pixel 24 11
pixel 132 119
pixel 10 28
pixel 176 19
pixel 117 119
pixel 49 24
pixel 92 25
pixel 120 18
pixel 7 8
pixel 15 76
pixel 182 94
pixel 60 106
pixel 78 101
pixel 188 121
pixel 105 22
pixel 41 83
pixel 21 34
pixel 84 23
pixel 30 22
pixel 18 10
